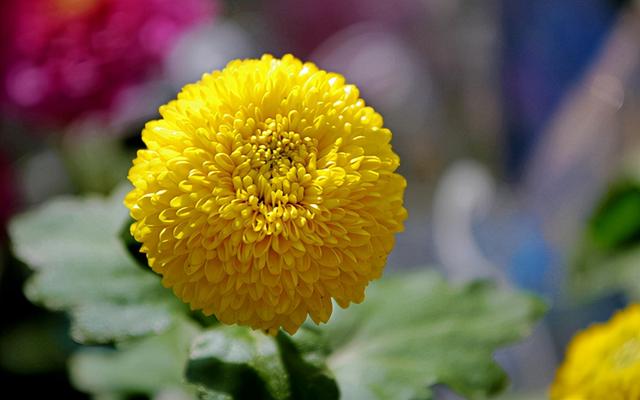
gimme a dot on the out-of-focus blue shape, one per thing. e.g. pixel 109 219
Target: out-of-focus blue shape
pixel 533 260
pixel 548 44
pixel 514 241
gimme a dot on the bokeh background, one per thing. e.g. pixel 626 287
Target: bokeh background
pixel 511 118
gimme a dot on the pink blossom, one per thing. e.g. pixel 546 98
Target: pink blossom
pixel 63 59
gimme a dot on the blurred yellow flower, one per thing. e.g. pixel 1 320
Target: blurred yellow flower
pixel 266 190
pixel 603 362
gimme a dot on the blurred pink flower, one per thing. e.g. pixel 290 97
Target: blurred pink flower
pixel 62 59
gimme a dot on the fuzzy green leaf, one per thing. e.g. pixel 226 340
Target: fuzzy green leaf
pixel 82 267
pixel 304 357
pixel 246 364
pixel 609 256
pixel 414 331
pixel 240 362
pixel 616 221
pixel 144 366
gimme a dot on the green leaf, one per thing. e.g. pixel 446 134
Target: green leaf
pixel 148 365
pixel 82 267
pixel 245 364
pixel 242 363
pixel 305 361
pixel 596 274
pixel 414 331
pixel 608 258
pixel 616 222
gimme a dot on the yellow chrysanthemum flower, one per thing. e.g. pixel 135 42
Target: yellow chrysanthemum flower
pixel 266 190
pixel 603 362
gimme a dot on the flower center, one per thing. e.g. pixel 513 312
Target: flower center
pixel 276 150
pixel 274 182
pixel 628 354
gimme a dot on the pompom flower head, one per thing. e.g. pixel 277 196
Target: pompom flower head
pixel 266 190
pixel 603 362
pixel 63 59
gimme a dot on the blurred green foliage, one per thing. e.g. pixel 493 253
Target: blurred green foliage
pixel 608 258
pixel 412 332
pixel 81 267
pixel 615 224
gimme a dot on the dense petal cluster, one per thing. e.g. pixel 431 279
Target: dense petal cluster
pixel 603 362
pixel 61 59
pixel 266 190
